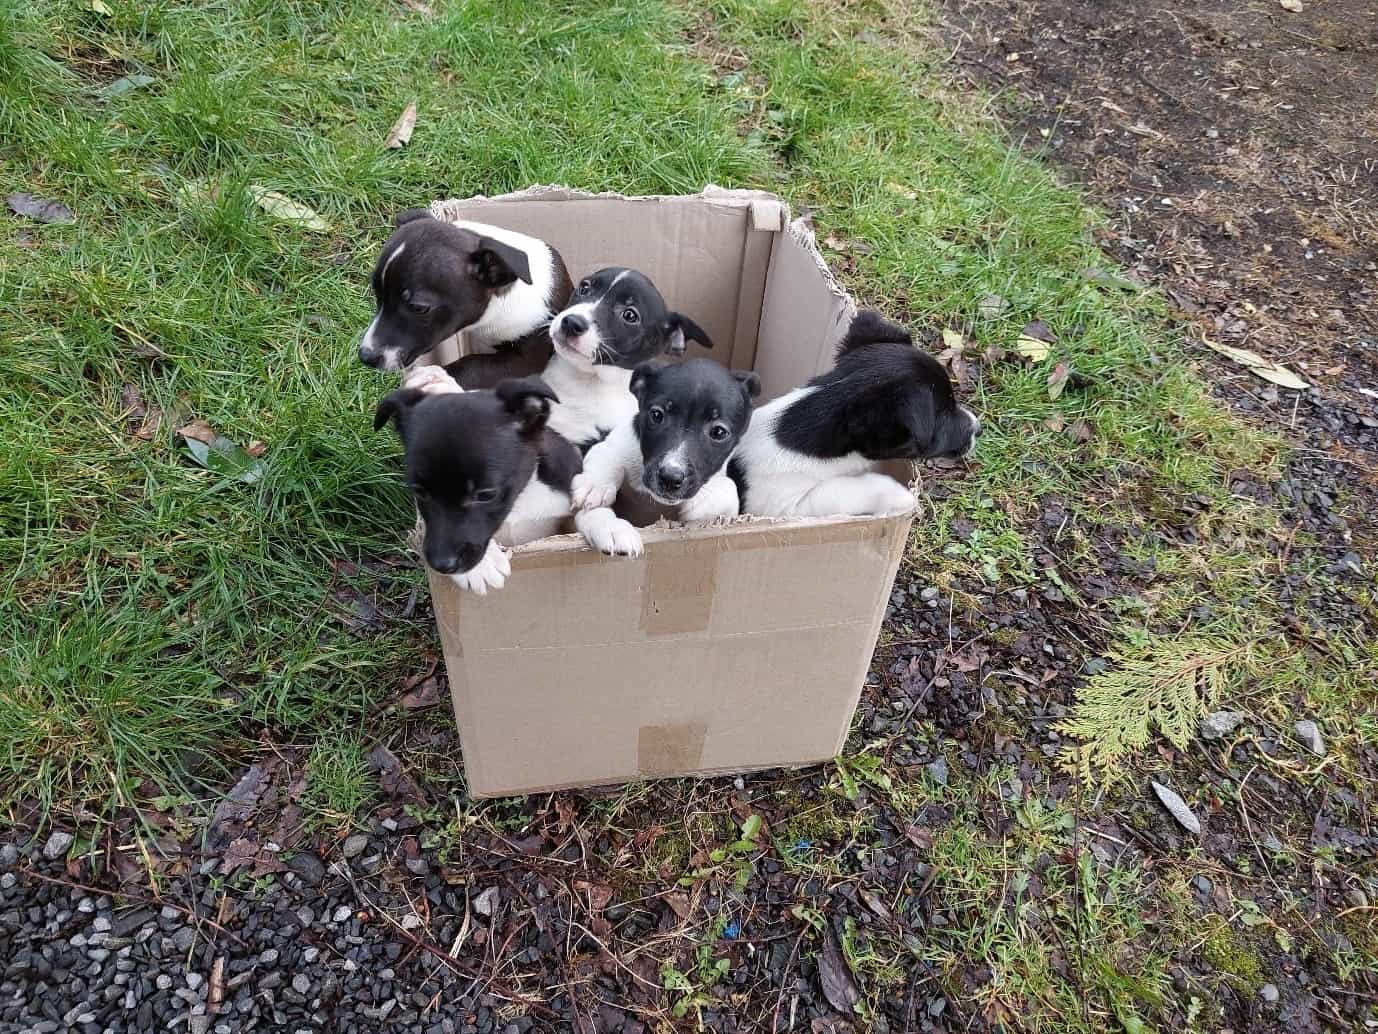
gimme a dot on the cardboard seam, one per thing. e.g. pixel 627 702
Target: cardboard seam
pixel 713 637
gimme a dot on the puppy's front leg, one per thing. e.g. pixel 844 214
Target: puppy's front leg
pixel 489 573
pixel 856 495
pixel 605 469
pixel 717 498
pixel 608 533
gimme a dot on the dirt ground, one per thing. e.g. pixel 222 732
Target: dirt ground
pixel 1236 148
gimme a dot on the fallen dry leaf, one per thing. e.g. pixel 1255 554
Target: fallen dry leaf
pixel 679 903
pixel 953 340
pixel 402 128
pixel 901 190
pixel 256 448
pixel 875 904
pixel 39 209
pixel 599 894
pixel 1032 348
pixel 1268 370
pixel 1080 430
pixel 1055 423
pixel 1039 330
pixel 1057 380
pixel 919 837
pixel 198 430
pixel 839 987
pixel 99 7
pixel 280 206
pixel 427 694
pixel 992 306
pixel 1295 6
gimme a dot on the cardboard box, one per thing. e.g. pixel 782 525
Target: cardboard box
pixel 726 648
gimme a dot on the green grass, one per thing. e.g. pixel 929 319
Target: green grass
pixel 160 620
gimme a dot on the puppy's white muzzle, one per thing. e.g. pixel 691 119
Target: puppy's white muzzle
pixel 975 431
pixel 371 354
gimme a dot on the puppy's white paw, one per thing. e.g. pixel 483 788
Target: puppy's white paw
pixel 892 498
pixel 606 532
pixel 716 499
pixel 489 573
pixel 588 493
pixel 433 380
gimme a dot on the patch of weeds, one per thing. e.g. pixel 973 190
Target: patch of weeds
pixel 338 781
pixel 708 968
pixel 736 858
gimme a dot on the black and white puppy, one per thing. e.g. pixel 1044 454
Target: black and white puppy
pixel 484 468
pixel 813 451
pixel 689 418
pixel 615 321
pixel 435 278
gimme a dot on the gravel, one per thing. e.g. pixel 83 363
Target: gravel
pixel 1219 724
pixel 57 845
pixel 1310 734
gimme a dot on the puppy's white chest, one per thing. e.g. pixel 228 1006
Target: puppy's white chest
pixel 590 406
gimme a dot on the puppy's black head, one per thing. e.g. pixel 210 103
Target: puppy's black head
pixel 432 280
pixel 616 317
pixel 884 399
pixel 691 416
pixel 468 458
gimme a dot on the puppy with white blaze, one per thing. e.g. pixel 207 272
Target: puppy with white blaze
pixel 689 418
pixel 813 452
pixel 615 321
pixel 484 469
pixel 434 278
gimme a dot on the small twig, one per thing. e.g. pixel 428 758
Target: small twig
pixel 789 965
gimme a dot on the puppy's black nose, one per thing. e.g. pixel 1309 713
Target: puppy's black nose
pixel 369 358
pixel 672 478
pixel 573 324
pixel 445 563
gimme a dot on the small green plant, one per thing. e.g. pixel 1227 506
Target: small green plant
pixel 737 857
pixel 1155 682
pixel 338 781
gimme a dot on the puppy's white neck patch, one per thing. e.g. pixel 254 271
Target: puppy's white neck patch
pixel 593 399
pixel 521 307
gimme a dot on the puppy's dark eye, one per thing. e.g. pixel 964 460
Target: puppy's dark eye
pixel 718 432
pixel 419 491
pixel 585 287
pixel 631 316
pixel 420 308
pixel 656 414
pixel 485 495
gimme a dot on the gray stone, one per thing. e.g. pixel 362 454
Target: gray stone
pixel 9 857
pixel 195 980
pixel 1178 807
pixel 301 984
pixel 1269 993
pixel 8 881
pixel 101 924
pixel 164 981
pixel 355 845
pixel 1218 724
pixel 199 1024
pixel 57 845
pixel 269 957
pixel 342 914
pixel 183 939
pixel 1310 734
pixel 937 770
pixel 486 902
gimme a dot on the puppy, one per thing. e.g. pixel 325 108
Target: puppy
pixel 434 278
pixel 483 467
pixel 615 320
pixel 689 419
pixel 813 451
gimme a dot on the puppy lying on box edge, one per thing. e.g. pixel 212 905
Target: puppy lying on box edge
pixel 689 419
pixel 434 278
pixel 813 452
pixel 484 469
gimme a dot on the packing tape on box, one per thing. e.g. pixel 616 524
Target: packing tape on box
pixel 681 578
pixel 663 750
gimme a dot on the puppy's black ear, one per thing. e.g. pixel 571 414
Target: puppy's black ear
pixel 393 406
pixel 528 399
pixel 408 215
pixel 750 382
pixel 678 329
pixel 868 327
pixel 643 377
pixel 495 264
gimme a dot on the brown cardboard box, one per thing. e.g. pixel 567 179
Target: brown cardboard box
pixel 725 648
